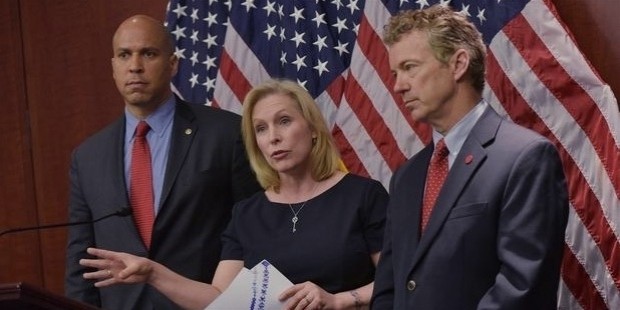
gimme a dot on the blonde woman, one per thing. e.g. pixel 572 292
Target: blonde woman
pixel 321 227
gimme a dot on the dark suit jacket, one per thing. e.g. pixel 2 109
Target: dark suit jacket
pixel 207 172
pixel 495 238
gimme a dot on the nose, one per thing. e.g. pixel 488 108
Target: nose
pixel 135 64
pixel 400 86
pixel 274 136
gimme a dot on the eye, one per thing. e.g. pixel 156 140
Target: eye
pixel 285 120
pixel 122 55
pixel 259 128
pixel 150 54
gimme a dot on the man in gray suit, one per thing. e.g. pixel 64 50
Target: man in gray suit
pixel 199 170
pixel 493 238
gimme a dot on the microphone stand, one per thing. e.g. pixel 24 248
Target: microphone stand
pixel 122 213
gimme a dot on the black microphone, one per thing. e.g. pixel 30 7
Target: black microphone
pixel 120 212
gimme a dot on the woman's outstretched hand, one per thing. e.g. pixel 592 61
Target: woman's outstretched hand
pixel 117 267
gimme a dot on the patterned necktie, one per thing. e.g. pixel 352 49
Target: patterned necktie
pixel 141 187
pixel 437 172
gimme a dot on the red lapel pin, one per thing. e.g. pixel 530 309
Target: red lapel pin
pixel 468 159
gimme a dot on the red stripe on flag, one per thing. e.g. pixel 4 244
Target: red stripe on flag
pixel 584 291
pixel 374 124
pixel 348 154
pixel 584 201
pixel 577 102
pixel 233 76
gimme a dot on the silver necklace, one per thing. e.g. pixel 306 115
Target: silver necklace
pixel 295 217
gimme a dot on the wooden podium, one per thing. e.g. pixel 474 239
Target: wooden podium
pixel 23 296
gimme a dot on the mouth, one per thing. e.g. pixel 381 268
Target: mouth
pixel 135 83
pixel 411 103
pixel 279 154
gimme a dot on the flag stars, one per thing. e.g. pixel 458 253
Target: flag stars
pixel 302 83
pixel 283 60
pixel 321 67
pixel 210 62
pixel 422 3
pixel 270 31
pixel 210 40
pixel 298 38
pixel 465 10
pixel 281 10
pixel 337 3
pixel 353 6
pixel 341 48
pixel 194 58
pixel 340 24
pixel 480 16
pixel 270 8
pixel 320 42
pixel 209 84
pixel 211 19
pixel 194 15
pixel 194 36
pixel 194 79
pixel 445 2
pixel 180 11
pixel 299 62
pixel 179 52
pixel 179 32
pixel 319 19
pixel 297 14
pixel 249 4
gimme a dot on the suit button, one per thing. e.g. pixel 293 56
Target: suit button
pixel 411 285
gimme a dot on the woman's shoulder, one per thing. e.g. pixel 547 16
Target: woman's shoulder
pixel 353 183
pixel 255 200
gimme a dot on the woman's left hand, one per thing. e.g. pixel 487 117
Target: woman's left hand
pixel 307 295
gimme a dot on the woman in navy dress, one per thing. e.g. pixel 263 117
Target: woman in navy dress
pixel 318 225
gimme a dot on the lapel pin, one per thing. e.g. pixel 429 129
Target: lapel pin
pixel 188 131
pixel 468 159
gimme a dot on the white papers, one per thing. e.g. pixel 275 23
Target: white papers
pixel 253 289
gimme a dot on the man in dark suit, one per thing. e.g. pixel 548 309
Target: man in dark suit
pixel 198 165
pixel 493 237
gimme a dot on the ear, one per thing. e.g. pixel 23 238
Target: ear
pixel 174 64
pixel 459 62
pixel 113 71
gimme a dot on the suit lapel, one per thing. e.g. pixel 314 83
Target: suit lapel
pixel 413 189
pixel 183 131
pixel 118 151
pixel 471 156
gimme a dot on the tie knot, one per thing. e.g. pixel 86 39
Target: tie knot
pixel 441 150
pixel 142 129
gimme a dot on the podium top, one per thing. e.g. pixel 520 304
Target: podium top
pixel 24 296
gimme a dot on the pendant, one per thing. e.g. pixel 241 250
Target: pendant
pixel 294 220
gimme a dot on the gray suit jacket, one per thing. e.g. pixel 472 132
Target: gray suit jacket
pixel 207 172
pixel 495 238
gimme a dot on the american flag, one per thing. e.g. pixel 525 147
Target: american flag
pixel 537 77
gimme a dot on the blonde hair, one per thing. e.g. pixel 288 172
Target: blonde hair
pixel 447 32
pixel 324 157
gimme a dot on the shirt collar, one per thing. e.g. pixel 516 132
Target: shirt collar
pixel 157 120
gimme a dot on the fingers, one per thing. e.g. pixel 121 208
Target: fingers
pixel 95 263
pixel 303 296
pixel 101 253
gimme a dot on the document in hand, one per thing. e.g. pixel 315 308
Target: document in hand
pixel 253 289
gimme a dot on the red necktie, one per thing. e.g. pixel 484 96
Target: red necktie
pixel 437 172
pixel 141 187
